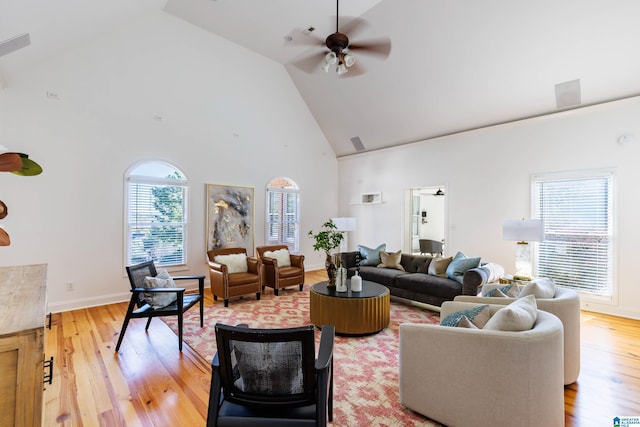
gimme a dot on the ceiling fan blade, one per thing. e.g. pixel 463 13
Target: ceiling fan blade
pixel 311 63
pixel 380 47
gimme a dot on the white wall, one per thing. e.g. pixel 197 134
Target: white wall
pixel 487 176
pixel 229 116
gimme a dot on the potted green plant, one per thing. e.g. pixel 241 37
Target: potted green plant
pixel 327 239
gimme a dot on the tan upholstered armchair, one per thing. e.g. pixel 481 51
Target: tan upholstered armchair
pixel 233 273
pixel 278 275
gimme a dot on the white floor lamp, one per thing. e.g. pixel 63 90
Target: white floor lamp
pixel 523 231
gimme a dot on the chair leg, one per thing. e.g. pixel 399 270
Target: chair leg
pixel 226 303
pixel 258 296
pixel 127 317
pixel 179 331
pixel 301 286
pixel 275 291
pixel 215 297
pixel 148 322
pixel 201 311
pixel 124 328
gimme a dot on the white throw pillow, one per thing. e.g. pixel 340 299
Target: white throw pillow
pixel 281 255
pixel 159 299
pixel 236 263
pixel 540 288
pixel 520 315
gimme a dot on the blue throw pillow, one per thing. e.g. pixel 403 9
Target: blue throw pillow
pixel 478 316
pixel 459 265
pixel 370 256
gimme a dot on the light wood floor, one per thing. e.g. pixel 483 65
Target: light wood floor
pixel 150 383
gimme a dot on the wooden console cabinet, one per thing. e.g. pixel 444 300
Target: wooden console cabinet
pixel 22 318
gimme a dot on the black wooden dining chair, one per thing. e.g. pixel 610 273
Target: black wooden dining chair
pixel 183 302
pixel 271 377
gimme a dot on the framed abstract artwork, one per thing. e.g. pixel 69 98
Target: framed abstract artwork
pixel 229 217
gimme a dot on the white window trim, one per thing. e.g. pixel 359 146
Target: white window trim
pixel 580 174
pixel 128 178
pixel 296 191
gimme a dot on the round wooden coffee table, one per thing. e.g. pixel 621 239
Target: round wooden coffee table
pixel 352 313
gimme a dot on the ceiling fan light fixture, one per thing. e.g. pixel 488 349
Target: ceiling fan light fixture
pixel 325 67
pixel 330 58
pixel 342 69
pixel 348 60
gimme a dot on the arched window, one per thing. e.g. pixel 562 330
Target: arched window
pixel 156 222
pixel 283 222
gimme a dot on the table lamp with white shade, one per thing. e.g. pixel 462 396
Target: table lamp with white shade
pixel 344 224
pixel 523 231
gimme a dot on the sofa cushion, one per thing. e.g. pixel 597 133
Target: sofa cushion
pixel 520 315
pixel 438 266
pixel 540 288
pixel 391 260
pixel 370 256
pixel 460 264
pixel 415 263
pixel 383 276
pixel 441 287
pixel 478 315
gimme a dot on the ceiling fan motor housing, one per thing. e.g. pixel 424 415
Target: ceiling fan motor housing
pixel 337 42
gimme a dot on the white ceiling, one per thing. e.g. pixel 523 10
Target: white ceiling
pixel 454 64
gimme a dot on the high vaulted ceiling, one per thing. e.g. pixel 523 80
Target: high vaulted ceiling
pixel 454 64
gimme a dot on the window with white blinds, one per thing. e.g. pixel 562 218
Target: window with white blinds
pixel 577 209
pixel 283 223
pixel 156 215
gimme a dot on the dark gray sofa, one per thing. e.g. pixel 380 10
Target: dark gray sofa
pixel 414 283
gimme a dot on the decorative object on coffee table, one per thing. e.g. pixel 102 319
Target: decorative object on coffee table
pixel 328 239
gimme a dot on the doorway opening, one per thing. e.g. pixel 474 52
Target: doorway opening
pixel 427 217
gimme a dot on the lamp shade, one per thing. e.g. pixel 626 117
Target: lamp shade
pixel 523 230
pixel 345 223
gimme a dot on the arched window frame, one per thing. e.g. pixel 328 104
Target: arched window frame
pixel 147 236
pixel 282 222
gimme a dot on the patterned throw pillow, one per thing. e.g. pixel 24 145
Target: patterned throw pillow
pixel 370 256
pixel 466 323
pixel 478 315
pixel 459 265
pixel 281 255
pixel 510 291
pixel 391 260
pixel 159 299
pixel 438 266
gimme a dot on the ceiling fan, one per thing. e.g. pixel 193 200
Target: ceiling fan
pixel 338 52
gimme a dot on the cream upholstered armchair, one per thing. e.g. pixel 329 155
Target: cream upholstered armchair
pixel 565 305
pixel 483 378
pixel 233 273
pixel 281 268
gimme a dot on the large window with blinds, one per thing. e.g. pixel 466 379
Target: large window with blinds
pixel 156 225
pixel 283 223
pixel 577 209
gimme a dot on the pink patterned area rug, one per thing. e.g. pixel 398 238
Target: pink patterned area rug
pixel 365 368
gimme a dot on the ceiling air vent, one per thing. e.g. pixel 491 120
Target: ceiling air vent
pixel 15 43
pixel 568 94
pixel 357 143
